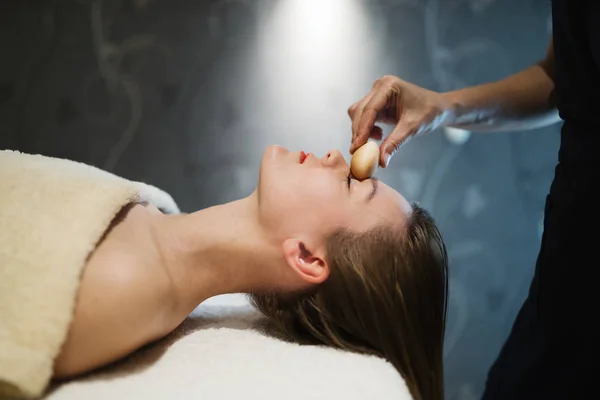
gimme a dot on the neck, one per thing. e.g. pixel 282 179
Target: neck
pixel 219 250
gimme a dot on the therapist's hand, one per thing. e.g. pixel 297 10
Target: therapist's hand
pixel 412 109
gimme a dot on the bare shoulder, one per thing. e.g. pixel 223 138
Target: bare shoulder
pixel 127 252
pixel 124 297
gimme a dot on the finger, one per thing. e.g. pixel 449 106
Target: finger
pixel 376 133
pixel 352 109
pixel 356 109
pixel 356 120
pixel 392 143
pixel 368 117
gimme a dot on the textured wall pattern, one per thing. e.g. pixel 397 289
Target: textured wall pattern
pixel 186 94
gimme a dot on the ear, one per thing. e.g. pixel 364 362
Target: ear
pixel 310 266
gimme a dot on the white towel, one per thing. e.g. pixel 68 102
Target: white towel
pixel 52 214
pixel 216 354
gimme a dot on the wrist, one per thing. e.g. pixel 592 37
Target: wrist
pixel 451 109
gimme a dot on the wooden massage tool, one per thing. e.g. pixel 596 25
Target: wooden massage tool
pixel 365 160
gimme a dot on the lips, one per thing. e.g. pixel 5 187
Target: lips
pixel 303 156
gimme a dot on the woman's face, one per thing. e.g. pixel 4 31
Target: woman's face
pixel 310 197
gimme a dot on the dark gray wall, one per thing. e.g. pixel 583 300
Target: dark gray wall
pixel 199 88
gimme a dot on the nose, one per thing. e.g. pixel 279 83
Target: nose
pixel 334 159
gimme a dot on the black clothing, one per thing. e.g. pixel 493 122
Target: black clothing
pixel 554 340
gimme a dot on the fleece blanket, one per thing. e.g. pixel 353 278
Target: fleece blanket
pixel 52 214
pixel 220 353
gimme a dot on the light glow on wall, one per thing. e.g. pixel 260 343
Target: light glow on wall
pixel 314 58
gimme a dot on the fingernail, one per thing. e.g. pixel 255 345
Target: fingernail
pixel 386 159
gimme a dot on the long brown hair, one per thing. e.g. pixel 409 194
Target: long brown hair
pixel 386 296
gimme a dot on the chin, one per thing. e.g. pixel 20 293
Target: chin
pixel 274 151
pixel 273 156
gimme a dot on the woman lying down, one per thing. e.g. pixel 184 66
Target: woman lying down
pixel 327 259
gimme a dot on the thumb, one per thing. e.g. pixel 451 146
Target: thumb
pixel 392 143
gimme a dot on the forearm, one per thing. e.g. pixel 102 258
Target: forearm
pixel 520 102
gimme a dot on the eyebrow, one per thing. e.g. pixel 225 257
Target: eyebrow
pixel 375 183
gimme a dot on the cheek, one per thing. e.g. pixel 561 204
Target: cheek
pixel 307 203
pixel 294 196
pixel 301 189
pixel 322 205
pixel 322 192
